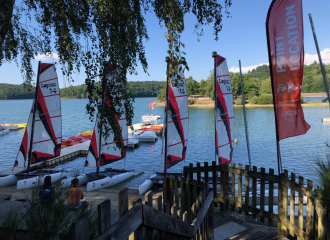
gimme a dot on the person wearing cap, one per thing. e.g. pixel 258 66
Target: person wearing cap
pixel 75 195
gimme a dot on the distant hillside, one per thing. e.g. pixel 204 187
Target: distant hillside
pixel 138 89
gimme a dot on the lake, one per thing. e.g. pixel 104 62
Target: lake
pixel 298 153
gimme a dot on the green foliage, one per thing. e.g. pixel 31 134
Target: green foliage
pixel 11 91
pixel 262 99
pixel 239 101
pixel 192 86
pixel 323 175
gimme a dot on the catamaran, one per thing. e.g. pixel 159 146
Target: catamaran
pixel 43 134
pixel 103 151
pixel 176 128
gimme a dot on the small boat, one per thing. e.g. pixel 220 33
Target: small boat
pixel 150 119
pixel 133 143
pixel 143 136
pixel 4 131
pixel 13 126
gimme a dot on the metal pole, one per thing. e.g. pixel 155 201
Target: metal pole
pixel 100 138
pixel 214 55
pixel 320 59
pixel 167 59
pixel 33 118
pixel 244 113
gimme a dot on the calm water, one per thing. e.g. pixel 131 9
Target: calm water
pixel 298 153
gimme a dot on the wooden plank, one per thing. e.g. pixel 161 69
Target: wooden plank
pixel 262 194
pixel 226 190
pixel 194 191
pixel 183 195
pixel 285 202
pixel 233 179
pixel 161 221
pixel 191 175
pixel 125 225
pixel 292 200
pixel 198 173
pixel 206 177
pixel 174 214
pixel 210 222
pixel 122 202
pixel 188 200
pixel 247 188
pixel 309 212
pixel 320 229
pixel 104 215
pixel 176 186
pixel 171 196
pixel 239 179
pixel 159 207
pixel 254 191
pixel 222 189
pixel 165 191
pixel 137 234
pixel 214 179
pixel 271 197
pixel 300 207
pixel 202 211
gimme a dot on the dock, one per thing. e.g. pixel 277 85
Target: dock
pixel 67 154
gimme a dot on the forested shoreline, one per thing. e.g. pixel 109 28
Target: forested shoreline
pixel 257 86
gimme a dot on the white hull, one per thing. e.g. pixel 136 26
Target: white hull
pixel 4 131
pixel 108 181
pixel 143 136
pixel 37 181
pixel 9 180
pixel 83 179
pixel 147 185
pixel 9 126
pixel 132 143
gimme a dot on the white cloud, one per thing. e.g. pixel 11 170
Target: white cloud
pixel 325 55
pixel 309 59
pixel 245 69
pixel 47 57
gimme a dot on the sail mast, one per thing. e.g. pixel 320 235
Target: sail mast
pixel 214 55
pixel 320 59
pixel 100 138
pixel 33 118
pixel 244 113
pixel 166 114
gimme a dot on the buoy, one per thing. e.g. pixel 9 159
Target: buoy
pixel 236 141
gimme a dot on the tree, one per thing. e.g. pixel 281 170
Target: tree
pixel 192 86
pixel 105 37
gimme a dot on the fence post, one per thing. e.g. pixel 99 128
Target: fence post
pixel 80 229
pixel 239 179
pixel 300 206
pixel 104 215
pixel 271 197
pixel 214 180
pixel 138 233
pixel 222 188
pixel 171 191
pixel 292 202
pixel 158 206
pixel 309 211
pixel 233 179
pixel 247 188
pixel 176 186
pixel 262 193
pixel 188 200
pixel 254 192
pixel 148 201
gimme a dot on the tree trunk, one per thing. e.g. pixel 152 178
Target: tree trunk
pixel 6 12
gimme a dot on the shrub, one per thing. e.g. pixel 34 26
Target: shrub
pixel 254 100
pixel 191 101
pixel 323 175
pixel 265 99
pixel 239 101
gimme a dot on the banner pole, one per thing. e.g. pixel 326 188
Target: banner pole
pixel 244 113
pixel 214 55
pixel 279 161
pixel 320 59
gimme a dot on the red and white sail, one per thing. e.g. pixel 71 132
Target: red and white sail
pixel 224 113
pixel 47 131
pixel 177 115
pixel 109 151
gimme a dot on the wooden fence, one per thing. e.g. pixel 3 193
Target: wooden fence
pixel 254 192
pixel 174 217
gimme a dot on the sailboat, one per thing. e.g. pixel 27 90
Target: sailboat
pixel 176 128
pixel 223 112
pixel 103 151
pixel 43 134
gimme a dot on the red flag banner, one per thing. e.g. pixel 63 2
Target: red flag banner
pixel 285 39
pixel 150 105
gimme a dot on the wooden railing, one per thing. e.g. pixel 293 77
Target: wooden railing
pixel 245 190
pixel 179 216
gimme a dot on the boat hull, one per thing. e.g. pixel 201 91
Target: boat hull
pixel 147 185
pixel 83 179
pixel 4 131
pixel 9 180
pixel 109 181
pixel 37 181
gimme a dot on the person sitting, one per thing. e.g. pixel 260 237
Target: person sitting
pixel 47 192
pixel 75 194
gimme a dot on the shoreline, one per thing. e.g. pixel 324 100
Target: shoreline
pixel 248 105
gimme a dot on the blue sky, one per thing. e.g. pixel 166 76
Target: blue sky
pixel 243 37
